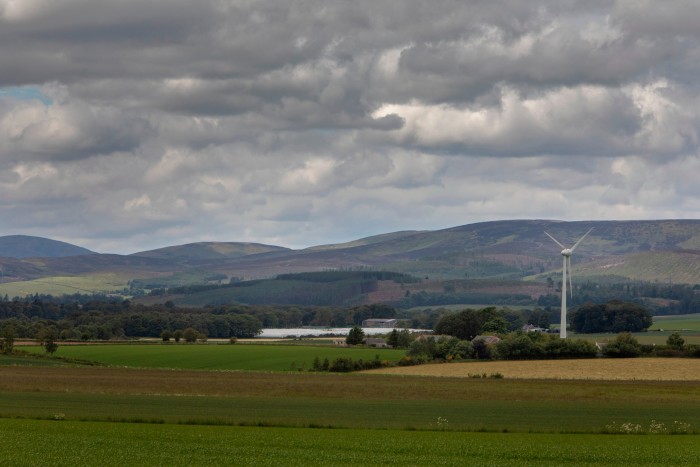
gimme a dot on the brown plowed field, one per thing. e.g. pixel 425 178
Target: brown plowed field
pixel 646 369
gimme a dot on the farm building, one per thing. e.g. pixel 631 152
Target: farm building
pixel 375 342
pixel 380 323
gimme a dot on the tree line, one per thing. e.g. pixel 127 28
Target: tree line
pixel 108 319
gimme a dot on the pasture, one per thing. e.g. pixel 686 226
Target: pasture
pixel 217 356
pixel 677 323
pixel 67 285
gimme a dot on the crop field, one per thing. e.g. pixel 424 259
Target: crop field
pixel 110 415
pixel 624 369
pixel 303 399
pixel 208 404
pixel 97 443
pixel 217 357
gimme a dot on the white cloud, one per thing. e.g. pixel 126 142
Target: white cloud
pixel 162 122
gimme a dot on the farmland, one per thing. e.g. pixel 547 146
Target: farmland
pixel 119 415
pixel 218 357
pixel 95 443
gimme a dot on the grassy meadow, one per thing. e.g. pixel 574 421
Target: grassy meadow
pixel 217 357
pixel 67 285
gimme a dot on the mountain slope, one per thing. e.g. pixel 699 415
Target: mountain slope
pixel 663 250
pixel 206 251
pixel 25 246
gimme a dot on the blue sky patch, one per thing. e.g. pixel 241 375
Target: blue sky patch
pixel 27 93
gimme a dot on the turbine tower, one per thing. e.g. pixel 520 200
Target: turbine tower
pixel 566 254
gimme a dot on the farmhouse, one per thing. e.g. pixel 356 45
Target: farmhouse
pixel 380 323
pixel 376 342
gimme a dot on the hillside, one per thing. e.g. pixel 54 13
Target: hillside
pixel 25 246
pixel 507 252
pixel 205 251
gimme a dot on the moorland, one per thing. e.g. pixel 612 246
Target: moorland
pixel 504 263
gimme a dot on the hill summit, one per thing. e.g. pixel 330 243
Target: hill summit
pixel 26 246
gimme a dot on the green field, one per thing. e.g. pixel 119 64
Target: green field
pixel 303 399
pixel 208 408
pixel 217 357
pixel 677 323
pixel 28 442
pixel 66 285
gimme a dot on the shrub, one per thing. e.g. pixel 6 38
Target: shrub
pixel 675 341
pixel 623 346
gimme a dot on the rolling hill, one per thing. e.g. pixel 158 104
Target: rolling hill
pixel 25 246
pixel 511 255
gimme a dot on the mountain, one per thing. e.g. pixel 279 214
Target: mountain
pixel 205 251
pixel 512 255
pixel 25 246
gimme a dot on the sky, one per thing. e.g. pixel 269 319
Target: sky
pixel 132 125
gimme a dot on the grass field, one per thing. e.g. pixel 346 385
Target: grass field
pixel 677 323
pixel 66 285
pixel 217 357
pixel 93 443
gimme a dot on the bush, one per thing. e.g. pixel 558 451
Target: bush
pixel 675 341
pixel 532 346
pixel 624 346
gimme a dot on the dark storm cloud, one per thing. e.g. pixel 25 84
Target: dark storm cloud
pixel 308 122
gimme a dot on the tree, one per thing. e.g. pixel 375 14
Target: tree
pixel 47 338
pixel 191 335
pixel 355 336
pixel 623 346
pixel 614 316
pixel 464 325
pixel 166 335
pixel 177 335
pixel 9 332
pixel 399 339
pixel 676 341
pixel 497 325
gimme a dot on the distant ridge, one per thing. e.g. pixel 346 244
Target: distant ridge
pixel 203 251
pixel 26 246
pixel 512 254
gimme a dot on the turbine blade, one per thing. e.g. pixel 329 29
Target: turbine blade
pixel 581 239
pixel 555 241
pixel 571 284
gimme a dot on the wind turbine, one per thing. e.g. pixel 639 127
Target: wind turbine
pixel 566 254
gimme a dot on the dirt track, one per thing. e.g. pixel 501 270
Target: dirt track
pixel 647 369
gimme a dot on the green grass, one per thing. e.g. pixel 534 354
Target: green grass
pixel 463 415
pixel 677 322
pixel 66 285
pixel 29 360
pixel 59 443
pixel 341 401
pixel 216 357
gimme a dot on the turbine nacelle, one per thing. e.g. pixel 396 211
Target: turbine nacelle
pixel 566 252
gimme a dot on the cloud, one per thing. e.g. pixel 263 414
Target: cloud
pixel 135 124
